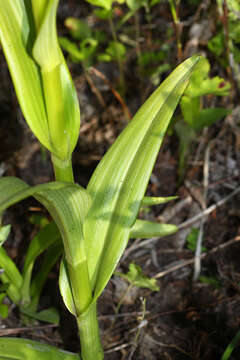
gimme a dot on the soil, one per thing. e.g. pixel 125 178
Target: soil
pixel 186 318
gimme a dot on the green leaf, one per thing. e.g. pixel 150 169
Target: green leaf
pixel 39 8
pixel 71 48
pixel 49 315
pixel 103 14
pixel 50 258
pixel 4 232
pixel 116 50
pixel 16 37
pixel 65 288
pixel 59 92
pixel 136 277
pixel 46 50
pixel 118 184
pixel 134 5
pixel 23 349
pixel 200 84
pixel 190 109
pixel 233 344
pixel 45 237
pixel 3 307
pixel 150 200
pixel 78 28
pixel 68 204
pixel 146 229
pixel 106 4
pixel 10 276
pixel 207 117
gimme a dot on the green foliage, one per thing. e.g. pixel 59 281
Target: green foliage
pixel 192 239
pixel 114 51
pixel 136 278
pixel 213 281
pixel 195 117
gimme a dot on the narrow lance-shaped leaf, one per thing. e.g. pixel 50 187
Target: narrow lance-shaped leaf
pixel 155 200
pixel 146 229
pixel 118 184
pixel 50 258
pixel 60 95
pixel 44 238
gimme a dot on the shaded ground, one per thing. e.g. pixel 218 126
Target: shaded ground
pixel 185 319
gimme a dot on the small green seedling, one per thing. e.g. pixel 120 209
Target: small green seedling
pixel 135 277
pixel 85 45
pixel 195 116
pixel 90 226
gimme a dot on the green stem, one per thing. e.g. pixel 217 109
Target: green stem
pixel 91 348
pixel 119 60
pixel 129 288
pixel 62 169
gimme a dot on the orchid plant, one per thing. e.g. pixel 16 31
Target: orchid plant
pixel 91 226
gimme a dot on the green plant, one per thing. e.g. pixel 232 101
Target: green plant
pixel 195 116
pixel 116 50
pixel 135 277
pixel 225 44
pixel 94 223
pixel 85 50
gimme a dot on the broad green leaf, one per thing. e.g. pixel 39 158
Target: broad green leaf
pixel 23 349
pixel 136 277
pixel 118 184
pixel 68 204
pixel 146 229
pixel 16 36
pixel 151 200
